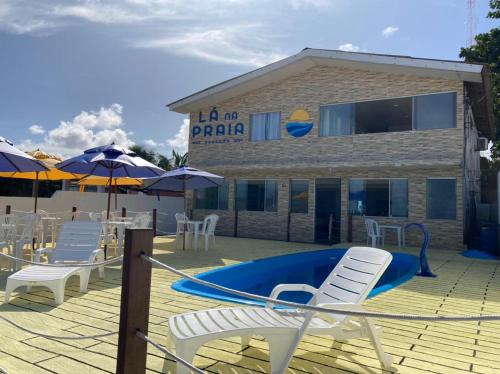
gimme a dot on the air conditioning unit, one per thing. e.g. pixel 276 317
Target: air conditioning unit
pixel 482 144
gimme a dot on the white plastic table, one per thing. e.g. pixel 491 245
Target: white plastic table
pixel 194 227
pixel 400 233
pixel 120 233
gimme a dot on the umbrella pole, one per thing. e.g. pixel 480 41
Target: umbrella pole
pixel 116 194
pixel 35 192
pixel 185 215
pixel 107 213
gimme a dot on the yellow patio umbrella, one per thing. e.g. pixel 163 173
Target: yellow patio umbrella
pixel 92 180
pixel 53 174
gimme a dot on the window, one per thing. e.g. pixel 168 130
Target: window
pixel 383 115
pixel 257 195
pixel 379 197
pixel 336 120
pixel 265 126
pixel 436 111
pixel 212 197
pixel 441 198
pixel 299 196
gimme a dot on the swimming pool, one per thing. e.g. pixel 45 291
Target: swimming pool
pixel 261 276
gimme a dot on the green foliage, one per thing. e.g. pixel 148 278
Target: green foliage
pixel 495 9
pixel 487 51
pixel 179 159
pixel 144 153
pixel 162 161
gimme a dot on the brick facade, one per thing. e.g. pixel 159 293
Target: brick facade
pixel 415 155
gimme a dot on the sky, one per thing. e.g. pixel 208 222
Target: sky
pixel 80 73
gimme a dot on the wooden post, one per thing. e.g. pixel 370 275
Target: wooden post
pixel 73 213
pixel 155 220
pixel 134 309
pixel 124 212
pixel 7 209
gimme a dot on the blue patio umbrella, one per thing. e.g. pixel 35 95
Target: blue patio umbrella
pixel 182 179
pixel 15 160
pixel 112 161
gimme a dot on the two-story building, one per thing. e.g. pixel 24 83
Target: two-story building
pixel 311 144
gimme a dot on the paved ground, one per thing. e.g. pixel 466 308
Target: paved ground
pixel 463 286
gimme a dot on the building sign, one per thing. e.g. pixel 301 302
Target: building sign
pixel 299 123
pixel 212 129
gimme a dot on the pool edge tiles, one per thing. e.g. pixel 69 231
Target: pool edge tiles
pixel 235 276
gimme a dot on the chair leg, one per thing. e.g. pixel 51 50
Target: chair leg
pixel 245 341
pixel 279 351
pixel 384 358
pixel 11 286
pixel 57 288
pixel 186 352
pixel 84 279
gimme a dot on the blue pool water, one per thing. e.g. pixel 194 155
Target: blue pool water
pixel 261 276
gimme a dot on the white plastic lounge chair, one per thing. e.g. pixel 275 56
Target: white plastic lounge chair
pixel 208 229
pixel 373 233
pixel 78 242
pixel 346 287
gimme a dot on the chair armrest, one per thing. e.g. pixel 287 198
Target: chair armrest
pixel 95 254
pixel 40 251
pixel 290 287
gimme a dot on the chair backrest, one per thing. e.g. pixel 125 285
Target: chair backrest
pixel 142 221
pixel 354 276
pixel 77 240
pixel 8 224
pixel 372 228
pixel 180 217
pixel 209 224
pixel 30 223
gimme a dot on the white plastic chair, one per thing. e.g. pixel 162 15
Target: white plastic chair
pixel 181 220
pixel 78 242
pixel 142 221
pixel 373 233
pixel 208 229
pixel 8 226
pixel 346 287
pixel 30 223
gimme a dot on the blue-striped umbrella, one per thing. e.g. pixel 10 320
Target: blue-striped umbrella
pixel 112 161
pixel 14 160
pixel 182 179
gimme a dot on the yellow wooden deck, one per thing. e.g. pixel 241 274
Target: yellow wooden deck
pixel 463 286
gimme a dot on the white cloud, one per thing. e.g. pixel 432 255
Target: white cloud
pixel 231 44
pixel 86 130
pixel 389 31
pixel 297 4
pixel 201 29
pixel 349 47
pixel 36 129
pixel 180 141
pixel 152 144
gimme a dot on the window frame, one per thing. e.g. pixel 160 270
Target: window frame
pixel 353 127
pixel 427 179
pixel 390 196
pixel 218 197
pixel 290 195
pixel 251 126
pixel 265 180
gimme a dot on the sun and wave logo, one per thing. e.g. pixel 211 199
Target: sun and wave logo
pixel 299 123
